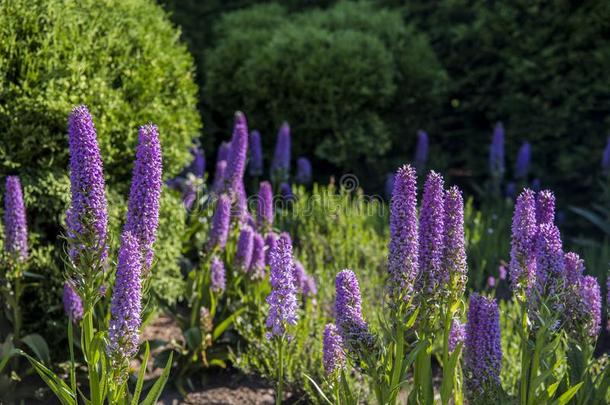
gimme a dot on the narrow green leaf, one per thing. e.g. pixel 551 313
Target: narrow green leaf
pixel 219 330
pixel 157 388
pixel 141 374
pixel 324 397
pixel 39 347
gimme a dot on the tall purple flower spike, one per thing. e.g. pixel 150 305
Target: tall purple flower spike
pixel 550 264
pixel 257 264
pixel 236 162
pixel 264 213
pixel 223 151
pixel 144 198
pixel 421 151
pixel 333 356
pixel 126 302
pixel 523 161
pixel 217 275
pixel 281 158
pixel 545 207
pixel 457 334
pixel 219 176
pixel 348 309
pixel 73 305
pixel 87 217
pixel 575 268
pixel 243 254
pixel 454 256
pixel 270 243
pixel 219 231
pixel 522 269
pixel 282 300
pixel 303 171
pixel 198 164
pixel 482 347
pixel 431 234
pixel 15 225
pixel 592 305
pixel 496 151
pixel 403 249
pixel 255 166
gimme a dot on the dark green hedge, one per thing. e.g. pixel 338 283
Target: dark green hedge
pixel 354 81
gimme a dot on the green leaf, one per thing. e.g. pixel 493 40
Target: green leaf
pixel 157 388
pixel 218 330
pixel 567 396
pixel 6 357
pixel 39 347
pixel 59 388
pixel 141 374
pixel 193 338
pixel 318 389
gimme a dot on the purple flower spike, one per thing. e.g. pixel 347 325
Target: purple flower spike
pixel 403 253
pixel 255 166
pixel 457 334
pixel 270 242
pixel 73 305
pixel 281 158
pixel 217 275
pixel 496 151
pixel 310 289
pixel 606 157
pixel 482 348
pixel 350 323
pixel 545 207
pixel 522 269
pixel 198 164
pixel 146 184
pixel 219 231
pixel 334 355
pixel 264 214
pixel 87 217
pixel 421 152
pixel 454 256
pixel 236 162
pixel 592 304
pixel 303 171
pixel 286 192
pixel 431 233
pixel 575 268
pixel 219 176
pixel 16 230
pixel 282 300
pixel 223 151
pixel 299 275
pixel 240 210
pixel 126 306
pixel 257 264
pixel 550 264
pixel 243 254
pixel 523 161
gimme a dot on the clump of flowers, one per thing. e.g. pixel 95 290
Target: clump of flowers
pixel 334 354
pixel 255 165
pixel 303 171
pixel 421 151
pixel 15 224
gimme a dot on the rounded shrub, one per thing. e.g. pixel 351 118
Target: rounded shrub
pixel 123 59
pixel 354 81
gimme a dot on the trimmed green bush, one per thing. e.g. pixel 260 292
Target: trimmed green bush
pixel 354 81
pixel 123 59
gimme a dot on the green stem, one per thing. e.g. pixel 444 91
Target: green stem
pixel 448 374
pixel 423 375
pixel 17 312
pixel 71 344
pixel 397 366
pixel 280 372
pixel 524 355
pixel 89 356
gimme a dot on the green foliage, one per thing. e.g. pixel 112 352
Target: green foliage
pixel 122 59
pixel 332 229
pixel 342 76
pixel 539 66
